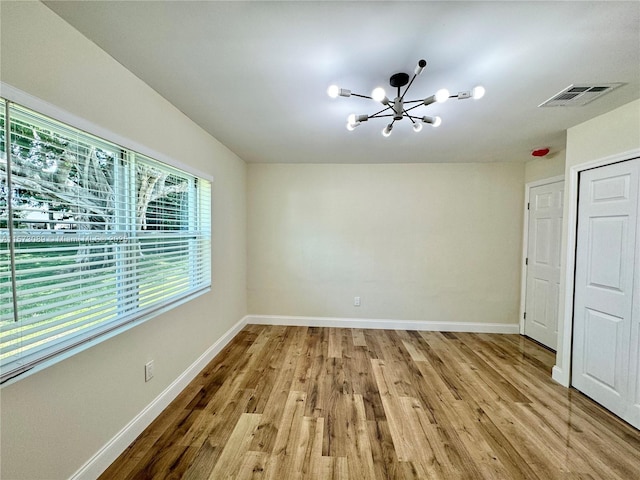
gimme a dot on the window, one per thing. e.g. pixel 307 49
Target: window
pixel 92 236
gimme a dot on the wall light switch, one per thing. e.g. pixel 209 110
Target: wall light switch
pixel 356 301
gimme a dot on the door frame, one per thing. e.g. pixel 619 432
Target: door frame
pixel 525 241
pixel 561 372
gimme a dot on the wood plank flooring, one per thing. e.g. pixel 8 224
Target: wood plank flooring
pixel 324 403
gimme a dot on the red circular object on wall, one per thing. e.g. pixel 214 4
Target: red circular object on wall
pixel 541 152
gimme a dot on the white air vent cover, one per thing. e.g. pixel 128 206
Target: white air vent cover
pixel 579 95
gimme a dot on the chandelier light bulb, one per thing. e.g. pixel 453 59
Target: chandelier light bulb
pixel 333 91
pixel 378 94
pixel 442 95
pixel 387 130
pixel 478 92
pixel 434 121
pixel 354 120
pixel 417 126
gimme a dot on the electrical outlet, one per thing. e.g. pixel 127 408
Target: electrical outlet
pixel 356 301
pixel 148 371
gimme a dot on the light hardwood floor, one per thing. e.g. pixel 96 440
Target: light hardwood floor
pixel 314 403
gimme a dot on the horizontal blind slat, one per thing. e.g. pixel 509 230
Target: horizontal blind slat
pixel 35 308
pixel 57 327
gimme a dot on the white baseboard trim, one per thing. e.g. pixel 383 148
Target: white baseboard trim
pixel 558 375
pixel 97 464
pixel 470 327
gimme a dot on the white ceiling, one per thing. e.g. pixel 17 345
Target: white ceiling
pixel 255 74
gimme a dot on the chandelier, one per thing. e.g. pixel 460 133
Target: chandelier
pixel 399 108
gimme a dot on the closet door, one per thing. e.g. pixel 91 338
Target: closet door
pixel 543 263
pixel 605 330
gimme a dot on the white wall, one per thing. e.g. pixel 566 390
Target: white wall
pixel 608 134
pixel 543 168
pixel 55 420
pixel 612 133
pixel 428 242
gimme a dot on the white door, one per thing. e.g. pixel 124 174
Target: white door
pixel 543 263
pixel 605 330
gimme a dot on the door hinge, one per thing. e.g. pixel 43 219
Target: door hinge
pixel 525 315
pixel 528 205
pixel 526 261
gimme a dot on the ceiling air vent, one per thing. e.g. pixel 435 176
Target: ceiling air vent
pixel 579 95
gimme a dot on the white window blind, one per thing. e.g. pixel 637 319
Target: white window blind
pixel 94 236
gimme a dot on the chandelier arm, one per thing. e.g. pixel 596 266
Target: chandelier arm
pixel 411 108
pixel 407 89
pixel 413 101
pixel 405 114
pixel 383 110
pixel 381 116
pixel 361 96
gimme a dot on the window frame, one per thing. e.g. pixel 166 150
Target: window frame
pixel 121 324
